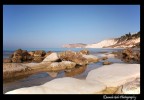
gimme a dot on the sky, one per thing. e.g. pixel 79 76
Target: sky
pixel 51 26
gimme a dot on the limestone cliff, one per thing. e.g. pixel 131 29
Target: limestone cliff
pixel 127 40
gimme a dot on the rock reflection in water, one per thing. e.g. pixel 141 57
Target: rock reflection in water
pixel 75 71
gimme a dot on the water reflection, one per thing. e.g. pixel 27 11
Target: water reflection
pixel 41 78
pixel 75 71
pixel 79 72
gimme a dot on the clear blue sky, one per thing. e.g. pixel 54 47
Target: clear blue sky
pixel 50 26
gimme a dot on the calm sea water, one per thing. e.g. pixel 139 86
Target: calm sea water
pixel 7 52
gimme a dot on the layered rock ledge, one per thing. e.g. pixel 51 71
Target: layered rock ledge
pixel 113 79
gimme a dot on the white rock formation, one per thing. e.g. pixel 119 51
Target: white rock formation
pixel 65 85
pixel 110 42
pixel 52 57
pixel 101 44
pixel 97 80
pixel 115 75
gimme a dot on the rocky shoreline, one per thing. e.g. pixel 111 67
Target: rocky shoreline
pixel 53 62
pixel 109 79
pixel 71 63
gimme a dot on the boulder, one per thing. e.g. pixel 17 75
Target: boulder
pixel 16 59
pixel 20 56
pixel 7 60
pixel 127 52
pixel 115 75
pixel 19 51
pixel 85 52
pixel 72 56
pixel 90 58
pixel 58 66
pixel 130 56
pixel 39 53
pixel 51 58
pixel 66 85
pixel 48 53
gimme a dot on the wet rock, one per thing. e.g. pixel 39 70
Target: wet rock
pixel 75 71
pixel 51 58
pixel 72 56
pixel 107 63
pixel 85 52
pixel 7 60
pixel 66 85
pixel 39 53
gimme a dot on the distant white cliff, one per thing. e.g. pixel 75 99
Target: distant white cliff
pixel 77 45
pixel 102 44
pixel 127 40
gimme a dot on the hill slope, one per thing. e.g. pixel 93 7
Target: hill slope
pixel 126 40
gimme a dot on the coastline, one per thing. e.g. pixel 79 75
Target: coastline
pixel 45 77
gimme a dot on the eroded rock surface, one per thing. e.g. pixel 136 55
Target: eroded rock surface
pixel 115 75
pixel 65 85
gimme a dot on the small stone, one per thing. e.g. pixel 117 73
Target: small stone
pixel 107 63
pixel 104 58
